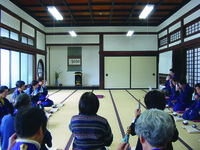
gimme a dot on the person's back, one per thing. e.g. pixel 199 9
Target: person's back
pixel 91 131
pixel 7 127
pixel 30 126
pixel 154 99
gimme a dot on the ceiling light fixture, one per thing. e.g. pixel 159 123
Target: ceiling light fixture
pixel 55 12
pixel 72 33
pixel 146 11
pixel 130 33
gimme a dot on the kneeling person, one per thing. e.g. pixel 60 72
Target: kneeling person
pixel 30 125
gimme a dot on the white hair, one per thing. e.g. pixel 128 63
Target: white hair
pixel 155 126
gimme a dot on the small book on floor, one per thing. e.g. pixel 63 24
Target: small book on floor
pixel 53 110
pixel 48 114
pixel 190 129
pixel 59 105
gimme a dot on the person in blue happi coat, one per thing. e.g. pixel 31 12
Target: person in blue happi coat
pixel 32 92
pixel 193 113
pixel 42 90
pixel 169 81
pixel 30 127
pixel 5 106
pixel 184 100
pixel 20 87
pixel 174 90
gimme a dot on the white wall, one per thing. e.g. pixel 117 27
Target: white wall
pixel 100 29
pixel 90 66
pixel 9 5
pixel 28 30
pixel 40 41
pixel 10 21
pixel 165 62
pixel 144 42
pixel 67 39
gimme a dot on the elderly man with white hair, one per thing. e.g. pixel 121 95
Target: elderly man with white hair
pixel 155 128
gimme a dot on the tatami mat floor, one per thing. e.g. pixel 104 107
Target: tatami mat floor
pixel 117 106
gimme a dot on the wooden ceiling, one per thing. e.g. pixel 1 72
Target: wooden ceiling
pixel 100 12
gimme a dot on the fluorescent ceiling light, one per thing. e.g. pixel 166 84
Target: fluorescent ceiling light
pixel 146 11
pixel 130 33
pixel 72 33
pixel 54 12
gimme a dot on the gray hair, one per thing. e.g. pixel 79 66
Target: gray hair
pixel 22 101
pixel 155 126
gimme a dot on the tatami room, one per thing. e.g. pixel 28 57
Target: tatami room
pixel 101 58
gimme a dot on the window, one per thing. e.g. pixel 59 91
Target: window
pixel 15 76
pixel 193 66
pixel 40 68
pixel 24 39
pixel 195 27
pixel 24 69
pixel 14 36
pixel 27 40
pixel 4 33
pixel 5 70
pixel 176 36
pixel 30 69
pixel 15 66
pixel 163 41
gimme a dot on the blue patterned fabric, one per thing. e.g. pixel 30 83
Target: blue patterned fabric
pixel 6 108
pixel 193 112
pixel 184 100
pixel 91 132
pixel 15 94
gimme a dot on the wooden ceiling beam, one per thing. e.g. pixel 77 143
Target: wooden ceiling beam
pixel 116 10
pixel 132 11
pixel 90 11
pixel 69 11
pixel 113 2
pixel 105 4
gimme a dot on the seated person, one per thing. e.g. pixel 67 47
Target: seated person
pixel 42 89
pixel 174 90
pixel 91 130
pixel 154 99
pixel 31 91
pixel 184 100
pixel 193 113
pixel 22 101
pixel 155 129
pixel 30 126
pixel 5 106
pixel 169 81
pixel 20 87
pixel 7 127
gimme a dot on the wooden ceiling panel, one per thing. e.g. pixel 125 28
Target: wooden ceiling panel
pixel 76 1
pixel 80 8
pixel 107 7
pixel 101 18
pixel 100 12
pixel 129 7
pixel 28 2
pixel 101 1
pixel 81 14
